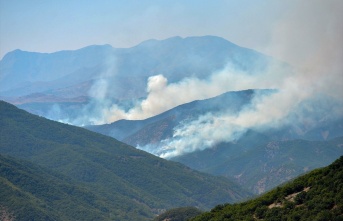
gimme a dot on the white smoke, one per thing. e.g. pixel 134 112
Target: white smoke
pixel 96 111
pixel 163 96
pixel 212 128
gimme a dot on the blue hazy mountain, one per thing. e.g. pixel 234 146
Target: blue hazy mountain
pixel 38 81
pixel 21 70
pixel 175 58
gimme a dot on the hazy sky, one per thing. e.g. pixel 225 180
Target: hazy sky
pixel 48 25
pixel 275 27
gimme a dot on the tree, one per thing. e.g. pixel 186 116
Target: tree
pixel 5 215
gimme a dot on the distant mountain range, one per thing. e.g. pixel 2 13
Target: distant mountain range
pixel 69 80
pixel 23 73
pixel 54 168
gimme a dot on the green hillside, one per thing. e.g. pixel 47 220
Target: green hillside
pixel 35 193
pixel 317 195
pixel 136 183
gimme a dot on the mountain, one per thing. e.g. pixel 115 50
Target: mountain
pixel 22 72
pixel 317 195
pixel 118 75
pixel 136 183
pixel 154 129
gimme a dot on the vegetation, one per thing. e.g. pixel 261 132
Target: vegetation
pixel 317 195
pixel 36 193
pixel 179 214
pixel 119 181
pixel 5 215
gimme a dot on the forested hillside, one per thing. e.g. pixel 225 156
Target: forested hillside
pixel 136 183
pixel 317 195
pixel 31 192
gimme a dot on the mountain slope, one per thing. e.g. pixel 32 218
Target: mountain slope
pixel 36 193
pixel 317 195
pixel 137 183
pixel 259 163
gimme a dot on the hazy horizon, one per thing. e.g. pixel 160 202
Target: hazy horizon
pixel 49 26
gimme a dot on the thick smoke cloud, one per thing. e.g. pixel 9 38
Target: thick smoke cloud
pixel 163 96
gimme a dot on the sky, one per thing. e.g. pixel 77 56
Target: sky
pixel 49 26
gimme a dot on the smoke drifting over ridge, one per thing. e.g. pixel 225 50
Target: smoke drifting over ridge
pixel 310 37
pixel 163 96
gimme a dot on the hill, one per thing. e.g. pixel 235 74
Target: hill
pixel 32 192
pixel 137 183
pixel 317 195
